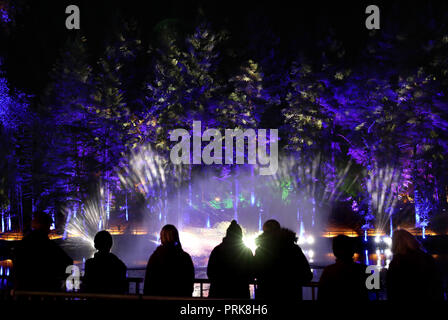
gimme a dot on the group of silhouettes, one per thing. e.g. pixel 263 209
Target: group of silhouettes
pixel 279 268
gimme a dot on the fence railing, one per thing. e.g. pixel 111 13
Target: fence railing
pixel 31 295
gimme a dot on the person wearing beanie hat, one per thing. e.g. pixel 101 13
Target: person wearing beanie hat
pixel 234 230
pixel 230 266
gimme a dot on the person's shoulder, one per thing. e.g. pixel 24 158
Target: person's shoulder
pixel 358 265
pixel 116 259
pixel 330 268
pixel 90 261
pixel 218 248
pixel 294 247
pixel 157 254
pixel 429 260
pixel 186 255
pixel 159 250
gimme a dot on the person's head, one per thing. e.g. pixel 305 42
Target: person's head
pixel 169 235
pixel 343 248
pixel 103 241
pixel 403 242
pixel 234 231
pixel 42 222
pixel 271 226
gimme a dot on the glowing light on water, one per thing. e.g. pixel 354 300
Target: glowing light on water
pixel 310 253
pixel 310 240
pixel 377 239
pixel 388 240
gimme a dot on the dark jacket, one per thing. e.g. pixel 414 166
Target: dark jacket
pixel 230 270
pixel 39 264
pixel 413 276
pixel 281 267
pixel 105 273
pixel 343 281
pixel 170 272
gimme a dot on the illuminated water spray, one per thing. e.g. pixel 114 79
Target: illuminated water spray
pixel 314 184
pixel 383 186
pixel 91 219
pixel 145 172
pixel 151 175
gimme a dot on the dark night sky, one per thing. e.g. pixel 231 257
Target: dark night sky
pixel 34 45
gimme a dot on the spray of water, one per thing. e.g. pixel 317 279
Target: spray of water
pixel 383 186
pixel 315 185
pixel 85 224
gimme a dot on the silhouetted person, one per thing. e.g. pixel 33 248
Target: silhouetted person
pixel 230 266
pixel 39 263
pixel 412 274
pixel 170 270
pixel 345 279
pixel 105 272
pixel 281 268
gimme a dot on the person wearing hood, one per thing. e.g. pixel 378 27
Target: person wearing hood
pixel 105 272
pixel 170 270
pixel 230 266
pixel 281 268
